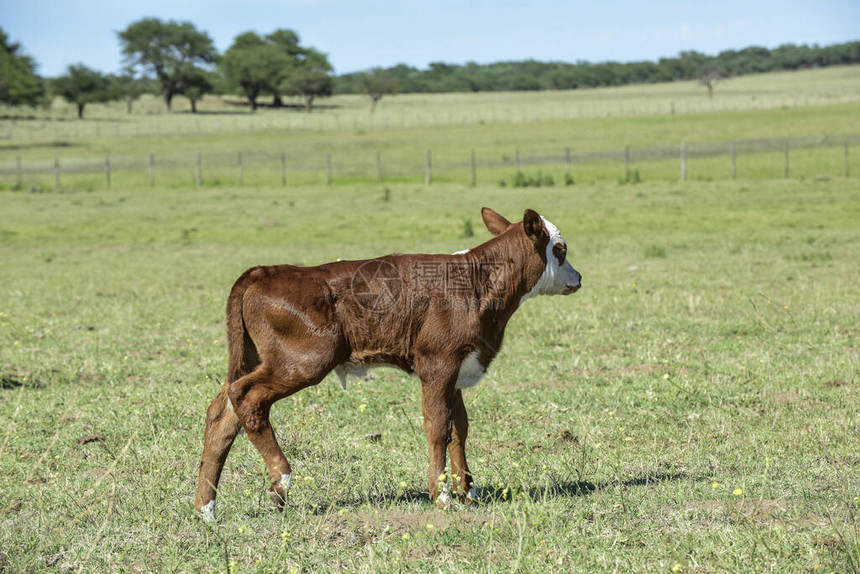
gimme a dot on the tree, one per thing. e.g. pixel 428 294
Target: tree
pixel 376 84
pixel 255 65
pixel 286 43
pixel 198 83
pixel 81 86
pixel 19 84
pixel 169 50
pixel 127 87
pixel 262 64
pixel 709 74
pixel 310 79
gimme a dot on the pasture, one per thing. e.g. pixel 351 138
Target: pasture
pixel 692 408
pixel 594 126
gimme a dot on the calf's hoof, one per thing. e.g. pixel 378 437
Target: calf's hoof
pixel 470 497
pixel 207 511
pixel 278 492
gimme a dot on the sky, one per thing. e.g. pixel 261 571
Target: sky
pixel 360 34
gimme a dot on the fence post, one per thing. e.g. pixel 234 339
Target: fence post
pixel 197 171
pixel 734 164
pixel 21 174
pixel 785 164
pixel 379 167
pixel 847 164
pixel 328 167
pixel 283 168
pixel 474 169
pixel 567 163
pixel 107 171
pixel 683 161
pixel 626 163
pixel 239 169
pixel 427 166
pixel 57 172
pixel 151 170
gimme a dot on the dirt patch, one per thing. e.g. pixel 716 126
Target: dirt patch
pixel 708 505
pixel 792 399
pixel 537 385
pixel 399 522
pixel 363 526
pixel 635 370
pixel 432 551
pixel 508 445
pixel 762 511
pixel 98 437
pixel 567 436
pixel 784 396
pixel 359 527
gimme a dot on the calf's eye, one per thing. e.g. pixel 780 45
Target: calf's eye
pixel 560 252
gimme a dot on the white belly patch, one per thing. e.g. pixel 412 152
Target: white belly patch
pixel 471 372
pixel 356 370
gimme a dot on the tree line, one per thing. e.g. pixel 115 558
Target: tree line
pixel 170 58
pixel 531 75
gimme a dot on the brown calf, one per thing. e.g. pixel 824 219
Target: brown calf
pixel 441 317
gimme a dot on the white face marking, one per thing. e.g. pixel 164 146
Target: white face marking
pixel 229 404
pixel 555 278
pixel 207 511
pixel 471 372
pixel 472 494
pixel 462 251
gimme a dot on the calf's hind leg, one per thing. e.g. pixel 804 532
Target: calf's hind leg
pixel 252 397
pixel 222 426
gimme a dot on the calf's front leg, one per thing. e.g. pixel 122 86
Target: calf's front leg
pixel 436 399
pixel 461 477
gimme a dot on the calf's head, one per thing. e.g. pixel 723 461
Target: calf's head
pixel 547 258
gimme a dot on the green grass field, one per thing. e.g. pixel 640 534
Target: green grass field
pixel 539 127
pixel 692 409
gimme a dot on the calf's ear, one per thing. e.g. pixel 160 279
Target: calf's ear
pixel 494 222
pixel 532 224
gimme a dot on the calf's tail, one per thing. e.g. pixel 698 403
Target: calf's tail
pixel 243 355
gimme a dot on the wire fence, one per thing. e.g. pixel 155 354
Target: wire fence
pixel 310 164
pixel 220 116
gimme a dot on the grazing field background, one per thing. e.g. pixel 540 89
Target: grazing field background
pixel 692 408
pixel 578 136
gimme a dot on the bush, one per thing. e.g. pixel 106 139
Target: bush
pixel 467 228
pixel 655 252
pixel 633 177
pixel 520 179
